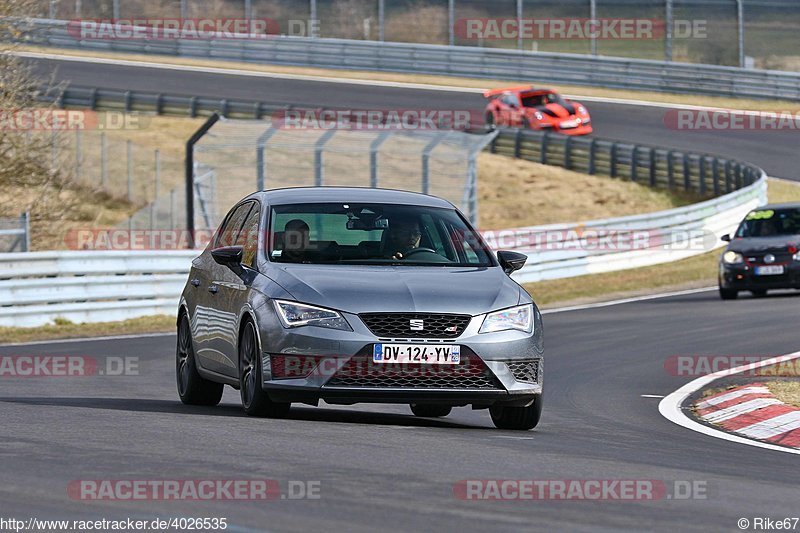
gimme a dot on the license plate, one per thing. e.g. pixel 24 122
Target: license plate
pixel 569 124
pixel 425 354
pixel 771 270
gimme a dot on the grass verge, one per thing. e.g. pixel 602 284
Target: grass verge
pixel 460 82
pixel 66 330
pixel 787 391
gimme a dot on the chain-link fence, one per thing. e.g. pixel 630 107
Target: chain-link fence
pixel 237 157
pixel 15 234
pixel 757 33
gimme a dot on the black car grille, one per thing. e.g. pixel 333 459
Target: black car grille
pixel 781 256
pixel 360 371
pixel 398 325
pixel 527 371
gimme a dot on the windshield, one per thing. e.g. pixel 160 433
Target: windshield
pixel 770 223
pixel 373 234
pixel 541 99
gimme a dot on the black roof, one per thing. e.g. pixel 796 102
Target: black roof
pixel 302 195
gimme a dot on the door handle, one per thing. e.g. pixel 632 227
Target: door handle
pixel 213 289
pixel 195 282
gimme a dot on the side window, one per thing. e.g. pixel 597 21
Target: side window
pixel 248 237
pixel 230 231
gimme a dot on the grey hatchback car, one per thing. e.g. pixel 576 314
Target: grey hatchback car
pixel 351 295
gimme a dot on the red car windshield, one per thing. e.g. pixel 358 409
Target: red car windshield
pixel 540 99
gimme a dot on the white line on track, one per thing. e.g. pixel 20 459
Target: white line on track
pixel 89 339
pixel 346 81
pixel 671 406
pixel 652 395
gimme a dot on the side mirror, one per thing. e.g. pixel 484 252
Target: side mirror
pixel 229 256
pixel 726 238
pixel 511 261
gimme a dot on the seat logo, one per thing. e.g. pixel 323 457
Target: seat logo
pixel 769 258
pixel 416 324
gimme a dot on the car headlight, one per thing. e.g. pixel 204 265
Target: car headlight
pixel 519 318
pixel 732 257
pixel 293 315
pixel 538 116
pixel 796 256
pixel 581 110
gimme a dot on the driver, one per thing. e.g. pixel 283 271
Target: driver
pixel 295 241
pixel 404 236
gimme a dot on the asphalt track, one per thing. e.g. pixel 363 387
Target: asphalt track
pixel 774 151
pixel 381 468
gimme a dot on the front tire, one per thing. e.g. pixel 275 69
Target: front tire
pixel 193 389
pixel 728 294
pixel 255 401
pixel 427 410
pixel 517 418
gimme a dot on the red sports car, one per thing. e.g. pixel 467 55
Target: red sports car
pixel 537 109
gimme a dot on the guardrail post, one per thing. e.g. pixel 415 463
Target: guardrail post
pixel 728 165
pixel 517 143
pixel 223 107
pixel 93 99
pixel 193 106
pixel 613 160
pixel 687 177
pixel 127 101
pixel 702 175
pixel 592 154
pixel 25 223
pixel 670 170
pixel 715 174
pixel 634 164
pixel 652 167
pixel 543 148
pixel 568 153
pixel 319 173
pixel 159 103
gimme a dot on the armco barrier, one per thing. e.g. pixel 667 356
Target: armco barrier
pixel 466 61
pixel 93 286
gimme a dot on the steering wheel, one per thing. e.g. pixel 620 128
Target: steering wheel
pixel 418 250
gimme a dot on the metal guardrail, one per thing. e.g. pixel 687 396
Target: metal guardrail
pixel 15 234
pixel 466 61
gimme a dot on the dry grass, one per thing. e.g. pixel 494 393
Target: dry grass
pixel 67 330
pixel 516 193
pixel 474 83
pixel 786 391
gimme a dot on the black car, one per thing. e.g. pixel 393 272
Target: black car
pixel 763 253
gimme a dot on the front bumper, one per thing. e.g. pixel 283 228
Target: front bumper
pixel 742 276
pixel 335 366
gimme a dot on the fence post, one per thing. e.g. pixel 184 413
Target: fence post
pixel 520 41
pixel 248 12
pixel 381 20
pixel 78 155
pixel 25 222
pixel 53 150
pixel 115 10
pixel 593 17
pixel 51 13
pixel 157 175
pixel 172 209
pixel 189 176
pixel 451 22
pixel 373 158
pixel 740 24
pixel 129 151
pixel 426 154
pixel 668 20
pixel 103 160
pixel 313 17
pixel 319 174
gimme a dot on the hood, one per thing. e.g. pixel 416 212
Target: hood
pixel 764 244
pixel 360 289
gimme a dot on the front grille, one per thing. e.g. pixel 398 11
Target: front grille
pixel 527 371
pixel 398 325
pixel 360 371
pixel 781 256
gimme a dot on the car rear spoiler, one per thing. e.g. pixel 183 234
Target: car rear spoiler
pixel 497 92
